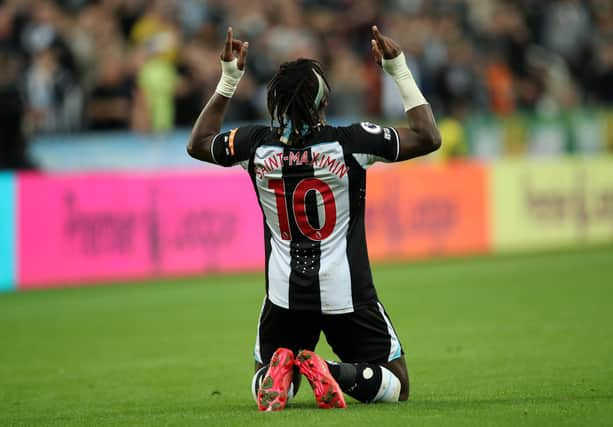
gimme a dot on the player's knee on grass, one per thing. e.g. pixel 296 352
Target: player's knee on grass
pixel 366 382
pixel 399 368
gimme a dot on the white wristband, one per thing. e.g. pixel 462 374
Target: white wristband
pixel 230 77
pixel 409 92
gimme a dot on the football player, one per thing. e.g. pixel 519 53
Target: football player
pixel 310 180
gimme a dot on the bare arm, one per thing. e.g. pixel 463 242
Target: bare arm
pixel 212 116
pixel 422 135
pixel 207 126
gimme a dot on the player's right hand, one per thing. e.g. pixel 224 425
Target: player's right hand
pixel 231 46
pixel 383 47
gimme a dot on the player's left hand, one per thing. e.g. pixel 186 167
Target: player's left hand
pixel 233 45
pixel 383 47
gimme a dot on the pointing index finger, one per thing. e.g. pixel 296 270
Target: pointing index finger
pixel 228 49
pixel 377 34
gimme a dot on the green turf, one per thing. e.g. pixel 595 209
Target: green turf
pixel 510 340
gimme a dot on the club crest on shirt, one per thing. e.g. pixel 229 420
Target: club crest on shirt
pixel 371 128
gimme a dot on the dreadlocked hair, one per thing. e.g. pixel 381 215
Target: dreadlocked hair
pixel 291 96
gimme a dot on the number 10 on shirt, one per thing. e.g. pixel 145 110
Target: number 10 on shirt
pixel 299 208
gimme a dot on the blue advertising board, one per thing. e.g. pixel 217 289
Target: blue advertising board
pixel 7 231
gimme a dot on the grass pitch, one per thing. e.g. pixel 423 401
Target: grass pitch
pixel 508 340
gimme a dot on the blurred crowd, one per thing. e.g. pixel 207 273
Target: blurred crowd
pixel 73 65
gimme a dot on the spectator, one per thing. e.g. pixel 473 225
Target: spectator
pixel 601 86
pixel 567 31
pixel 500 85
pixel 54 100
pixel 559 90
pixel 13 153
pixel 157 37
pixel 110 104
pixel 458 83
pixel 474 54
pixel 453 133
pixel 347 76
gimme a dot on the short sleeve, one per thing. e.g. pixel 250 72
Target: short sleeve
pixel 235 146
pixel 370 143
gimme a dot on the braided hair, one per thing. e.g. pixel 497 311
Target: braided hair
pixel 293 95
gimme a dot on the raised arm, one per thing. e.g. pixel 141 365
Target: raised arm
pixel 422 135
pixel 212 116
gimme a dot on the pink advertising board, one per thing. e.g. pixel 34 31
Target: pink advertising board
pixel 78 229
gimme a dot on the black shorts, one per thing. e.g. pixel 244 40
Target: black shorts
pixel 366 335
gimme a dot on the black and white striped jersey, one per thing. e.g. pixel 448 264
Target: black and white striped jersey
pixel 312 198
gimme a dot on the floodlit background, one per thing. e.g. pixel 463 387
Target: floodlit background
pixel 494 255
